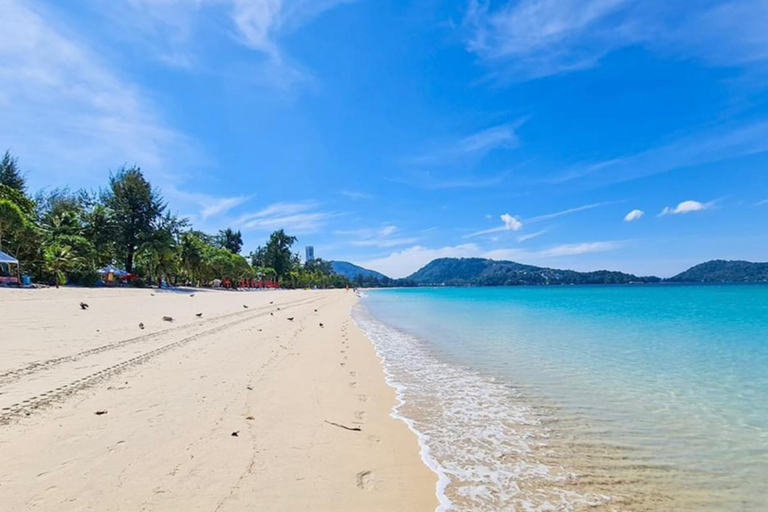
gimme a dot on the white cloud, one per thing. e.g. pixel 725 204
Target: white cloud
pixel 764 201
pixel 209 206
pixel 296 218
pixel 258 24
pixel 529 236
pixel 721 144
pixel 510 224
pixel 476 145
pixel 383 242
pixel 633 215
pixel 686 207
pixel 407 261
pixel 67 115
pixel 378 237
pixel 533 38
pixel 355 194
pixel 550 216
pixel 404 263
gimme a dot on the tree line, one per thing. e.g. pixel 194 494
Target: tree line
pixel 62 236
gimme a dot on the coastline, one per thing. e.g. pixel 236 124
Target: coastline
pixel 240 409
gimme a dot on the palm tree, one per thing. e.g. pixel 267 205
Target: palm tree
pixel 11 218
pixel 59 259
pixel 157 250
pixel 191 256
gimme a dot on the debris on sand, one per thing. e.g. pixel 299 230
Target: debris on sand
pixel 246 307
pixel 290 318
pixel 198 315
pixel 99 413
pixel 235 433
pixel 141 325
pixel 168 318
pixel 353 429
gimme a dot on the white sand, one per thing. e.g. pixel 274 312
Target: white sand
pixel 174 393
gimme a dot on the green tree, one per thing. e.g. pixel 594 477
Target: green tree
pixel 277 253
pixel 157 252
pixel 10 175
pixel 11 219
pixel 190 251
pixel 135 208
pixel 59 259
pixel 231 240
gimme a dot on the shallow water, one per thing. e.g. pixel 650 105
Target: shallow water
pixel 571 398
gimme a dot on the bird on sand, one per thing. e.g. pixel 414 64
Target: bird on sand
pixel 83 305
pixel 191 294
pixel 321 324
pixel 168 318
pixel 141 325
pixel 246 307
pixel 290 318
pixel 198 315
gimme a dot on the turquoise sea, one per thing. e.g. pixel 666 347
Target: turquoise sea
pixel 648 397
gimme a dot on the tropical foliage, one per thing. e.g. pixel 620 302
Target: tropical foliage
pixel 61 236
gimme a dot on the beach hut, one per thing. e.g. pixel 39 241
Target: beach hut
pixel 6 270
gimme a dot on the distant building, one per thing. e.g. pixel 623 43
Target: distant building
pixel 310 250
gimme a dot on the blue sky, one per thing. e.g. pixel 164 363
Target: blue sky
pixel 587 134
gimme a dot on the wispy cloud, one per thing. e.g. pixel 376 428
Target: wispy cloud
pixel 534 38
pixel 68 114
pixel 385 236
pixel 296 218
pixel 476 145
pixel 701 148
pixel 355 194
pixel 686 207
pixel 529 236
pixel 550 216
pixel 764 201
pixel 633 215
pixel 209 205
pixel 171 26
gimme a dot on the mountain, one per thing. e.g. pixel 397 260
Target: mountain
pixel 722 271
pixel 483 272
pixel 350 270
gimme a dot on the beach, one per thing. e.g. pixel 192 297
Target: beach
pixel 253 405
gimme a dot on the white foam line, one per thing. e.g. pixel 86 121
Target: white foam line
pixel 444 503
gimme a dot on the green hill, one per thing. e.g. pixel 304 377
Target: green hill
pixel 351 271
pixel 722 271
pixel 484 272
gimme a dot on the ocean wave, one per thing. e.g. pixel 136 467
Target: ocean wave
pixel 487 445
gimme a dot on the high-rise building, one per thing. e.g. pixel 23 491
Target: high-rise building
pixel 310 252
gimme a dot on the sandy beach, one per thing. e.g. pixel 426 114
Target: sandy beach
pixel 242 408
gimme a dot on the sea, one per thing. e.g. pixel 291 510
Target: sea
pixel 569 398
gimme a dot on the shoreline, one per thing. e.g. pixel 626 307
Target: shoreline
pixel 238 409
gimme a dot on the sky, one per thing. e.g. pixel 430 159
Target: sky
pixel 585 134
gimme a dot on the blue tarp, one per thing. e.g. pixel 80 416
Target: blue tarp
pixel 7 258
pixel 115 271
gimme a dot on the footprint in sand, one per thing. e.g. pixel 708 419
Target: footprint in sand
pixel 365 480
pixel 353 385
pixel 353 374
pixel 360 415
pixel 362 398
